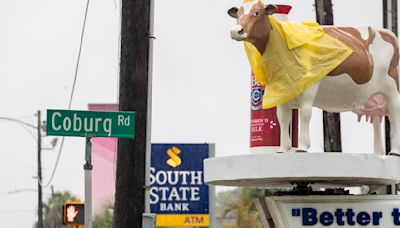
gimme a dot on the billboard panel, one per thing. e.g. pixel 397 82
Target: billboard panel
pixel 104 152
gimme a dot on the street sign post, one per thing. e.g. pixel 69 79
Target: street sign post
pixel 90 123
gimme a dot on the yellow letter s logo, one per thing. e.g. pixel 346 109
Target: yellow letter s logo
pixel 174 160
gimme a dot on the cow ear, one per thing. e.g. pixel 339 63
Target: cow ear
pixel 270 9
pixel 233 12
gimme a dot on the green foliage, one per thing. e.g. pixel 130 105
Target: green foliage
pixel 223 198
pixel 240 203
pixel 229 226
pixel 104 218
pixel 52 209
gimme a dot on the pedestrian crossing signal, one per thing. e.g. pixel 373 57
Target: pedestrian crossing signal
pixel 73 213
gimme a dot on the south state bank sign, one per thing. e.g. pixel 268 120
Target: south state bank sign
pixel 178 194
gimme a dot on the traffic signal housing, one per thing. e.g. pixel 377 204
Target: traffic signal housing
pixel 74 213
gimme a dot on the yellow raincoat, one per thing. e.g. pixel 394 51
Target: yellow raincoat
pixel 297 56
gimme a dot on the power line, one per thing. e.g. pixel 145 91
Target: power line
pixel 17 211
pixel 71 96
pixel 79 55
pixel 25 125
pixel 3 164
pixel 18 121
pixel 30 132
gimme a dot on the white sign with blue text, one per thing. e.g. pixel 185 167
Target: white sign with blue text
pixel 335 211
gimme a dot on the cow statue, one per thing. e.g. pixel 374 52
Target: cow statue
pixel 365 82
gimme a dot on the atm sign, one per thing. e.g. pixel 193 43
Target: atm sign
pixel 188 220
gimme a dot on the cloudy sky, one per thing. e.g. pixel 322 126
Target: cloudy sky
pixel 200 83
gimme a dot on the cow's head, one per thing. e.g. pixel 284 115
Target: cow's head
pixel 252 22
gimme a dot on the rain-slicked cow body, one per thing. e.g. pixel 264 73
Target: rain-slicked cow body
pixel 366 82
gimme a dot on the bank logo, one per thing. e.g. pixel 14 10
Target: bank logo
pixel 174 160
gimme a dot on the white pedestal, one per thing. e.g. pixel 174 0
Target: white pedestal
pixel 321 169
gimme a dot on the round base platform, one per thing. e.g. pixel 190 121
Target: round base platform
pixel 320 169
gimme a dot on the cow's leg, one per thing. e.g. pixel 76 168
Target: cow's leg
pixel 306 102
pixel 378 146
pixel 284 114
pixel 394 117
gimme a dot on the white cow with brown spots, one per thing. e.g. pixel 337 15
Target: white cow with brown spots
pixel 366 83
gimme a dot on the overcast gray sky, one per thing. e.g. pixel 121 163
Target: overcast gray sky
pixel 200 84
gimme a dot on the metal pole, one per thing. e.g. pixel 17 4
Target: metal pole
pixel 331 121
pixel 212 200
pixel 387 19
pixel 39 160
pixel 149 98
pixel 88 183
pixel 389 22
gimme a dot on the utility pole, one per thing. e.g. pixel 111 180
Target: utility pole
pixel 39 160
pixel 133 96
pixel 331 121
pixel 389 22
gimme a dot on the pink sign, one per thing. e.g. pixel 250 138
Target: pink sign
pixel 104 155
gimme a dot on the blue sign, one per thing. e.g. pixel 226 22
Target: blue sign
pixel 177 179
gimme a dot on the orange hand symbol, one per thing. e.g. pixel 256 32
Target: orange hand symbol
pixel 72 212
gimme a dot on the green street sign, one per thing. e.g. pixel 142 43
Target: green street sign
pixel 90 123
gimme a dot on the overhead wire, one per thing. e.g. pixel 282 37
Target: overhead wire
pixel 17 211
pixel 25 125
pixel 71 97
pixel 29 131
